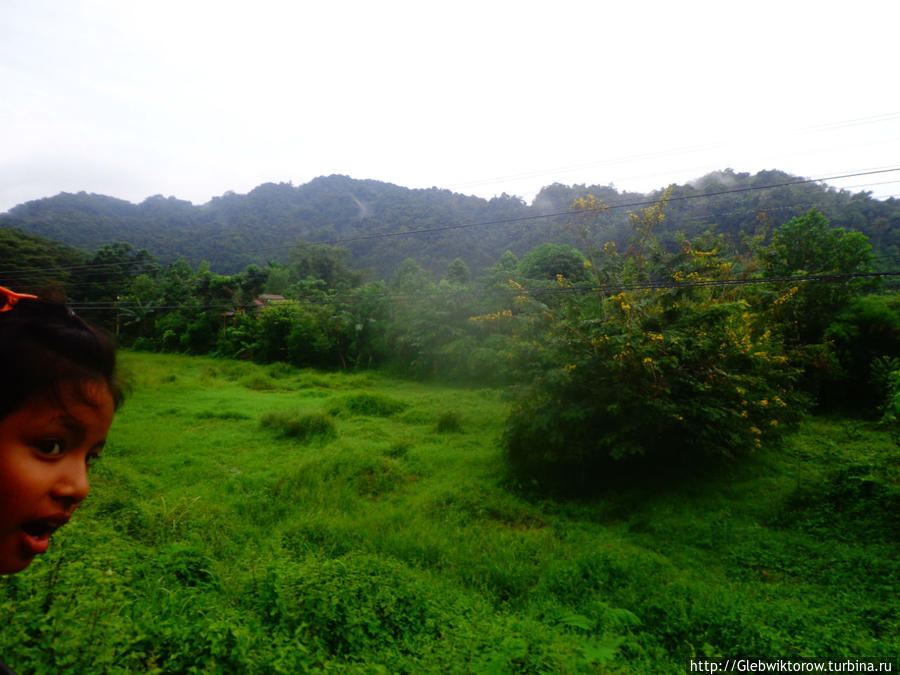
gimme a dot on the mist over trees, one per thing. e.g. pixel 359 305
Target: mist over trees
pixel 362 216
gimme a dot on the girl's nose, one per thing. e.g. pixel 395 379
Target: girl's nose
pixel 71 486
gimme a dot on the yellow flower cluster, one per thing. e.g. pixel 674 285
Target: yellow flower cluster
pixel 589 203
pixel 492 318
pixel 780 300
pixel 738 333
pixel 622 300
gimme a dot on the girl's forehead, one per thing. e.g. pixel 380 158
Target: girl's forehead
pixel 73 398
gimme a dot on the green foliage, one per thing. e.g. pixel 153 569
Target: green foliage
pixel 260 382
pixel 19 250
pixel 409 277
pixel 863 338
pixel 807 246
pixel 323 264
pixel 239 338
pixel 371 405
pixel 671 383
pixel 651 381
pixel 222 415
pixel 353 604
pixel 458 272
pixel 300 426
pixel 200 335
pixel 394 549
pixel 548 261
pixel 859 501
pixel 461 329
pixel 890 418
pixel 276 323
pixel 229 230
pixel 449 422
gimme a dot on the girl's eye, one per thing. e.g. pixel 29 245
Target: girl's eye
pixel 51 448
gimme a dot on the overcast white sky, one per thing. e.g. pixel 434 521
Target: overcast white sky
pixel 192 98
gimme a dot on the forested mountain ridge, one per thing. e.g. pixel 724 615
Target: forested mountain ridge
pixel 234 230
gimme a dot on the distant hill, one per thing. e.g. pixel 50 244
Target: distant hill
pixel 366 216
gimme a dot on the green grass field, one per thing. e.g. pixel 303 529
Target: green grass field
pixel 261 519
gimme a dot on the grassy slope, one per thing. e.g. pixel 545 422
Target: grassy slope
pixel 213 544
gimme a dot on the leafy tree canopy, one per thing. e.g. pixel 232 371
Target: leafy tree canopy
pixel 549 261
pixel 233 231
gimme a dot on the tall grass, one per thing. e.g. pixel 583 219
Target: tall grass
pixel 215 541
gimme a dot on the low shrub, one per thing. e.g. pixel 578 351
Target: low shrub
pixel 300 426
pixel 222 415
pixel 398 450
pixel 259 383
pixel 352 604
pixel 864 340
pixel 449 422
pixel 890 418
pixel 857 502
pixel 280 370
pixel 365 404
pixel 663 383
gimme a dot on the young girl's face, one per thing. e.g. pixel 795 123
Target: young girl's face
pixel 46 447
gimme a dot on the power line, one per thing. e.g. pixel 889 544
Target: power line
pixel 572 212
pixel 840 124
pixel 886 117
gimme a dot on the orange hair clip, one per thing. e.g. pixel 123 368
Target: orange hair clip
pixel 10 298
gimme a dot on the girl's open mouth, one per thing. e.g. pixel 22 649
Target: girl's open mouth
pixel 37 534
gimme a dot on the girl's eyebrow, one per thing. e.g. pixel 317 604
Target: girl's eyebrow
pixel 70 423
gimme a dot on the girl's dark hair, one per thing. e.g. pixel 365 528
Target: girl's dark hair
pixel 42 345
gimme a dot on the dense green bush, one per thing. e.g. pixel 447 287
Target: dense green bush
pixel 351 605
pixel 857 502
pixel 864 338
pixel 651 379
pixel 373 405
pixel 548 261
pixel 368 613
pixel 807 245
pixel 449 422
pixel 890 418
pixel 664 381
pixel 301 426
